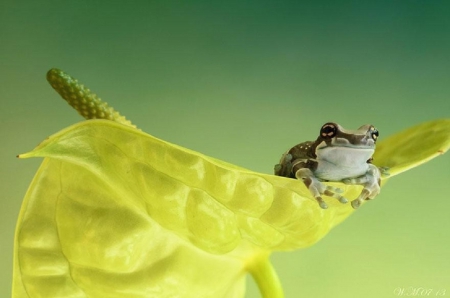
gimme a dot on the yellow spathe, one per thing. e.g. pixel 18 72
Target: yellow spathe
pixel 115 212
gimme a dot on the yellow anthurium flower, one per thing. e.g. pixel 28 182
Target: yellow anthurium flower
pixel 115 212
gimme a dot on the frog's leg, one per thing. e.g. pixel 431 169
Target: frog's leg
pixel 317 188
pixel 371 182
pixel 285 165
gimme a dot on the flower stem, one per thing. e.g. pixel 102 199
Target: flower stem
pixel 266 277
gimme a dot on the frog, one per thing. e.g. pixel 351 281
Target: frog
pixel 337 155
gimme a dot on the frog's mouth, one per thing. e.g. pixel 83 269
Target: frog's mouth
pixel 357 141
pixel 346 144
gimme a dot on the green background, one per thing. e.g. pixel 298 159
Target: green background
pixel 243 81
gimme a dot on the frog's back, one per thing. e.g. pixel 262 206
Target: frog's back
pixel 302 151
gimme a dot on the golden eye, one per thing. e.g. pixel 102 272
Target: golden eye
pixel 328 130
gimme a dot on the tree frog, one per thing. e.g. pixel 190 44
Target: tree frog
pixel 339 155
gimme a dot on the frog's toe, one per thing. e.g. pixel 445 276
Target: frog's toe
pixel 343 200
pixel 335 189
pixel 384 171
pixel 332 189
pixel 335 195
pixel 346 181
pixel 356 203
pixel 288 157
pixel 364 195
pixel 322 203
pixel 356 180
pixel 277 168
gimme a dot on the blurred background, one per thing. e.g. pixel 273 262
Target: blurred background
pixel 243 81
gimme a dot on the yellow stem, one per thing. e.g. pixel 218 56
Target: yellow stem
pixel 266 277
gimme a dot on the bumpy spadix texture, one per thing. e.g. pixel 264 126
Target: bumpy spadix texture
pixel 87 104
pixel 114 212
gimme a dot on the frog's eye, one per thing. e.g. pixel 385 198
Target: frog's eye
pixel 328 130
pixel 374 134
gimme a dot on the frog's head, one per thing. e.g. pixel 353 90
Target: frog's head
pixel 338 144
pixel 334 135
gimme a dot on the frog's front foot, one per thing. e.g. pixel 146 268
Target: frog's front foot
pixel 384 171
pixel 370 181
pixel 318 189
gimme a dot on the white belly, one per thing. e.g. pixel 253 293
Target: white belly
pixel 337 163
